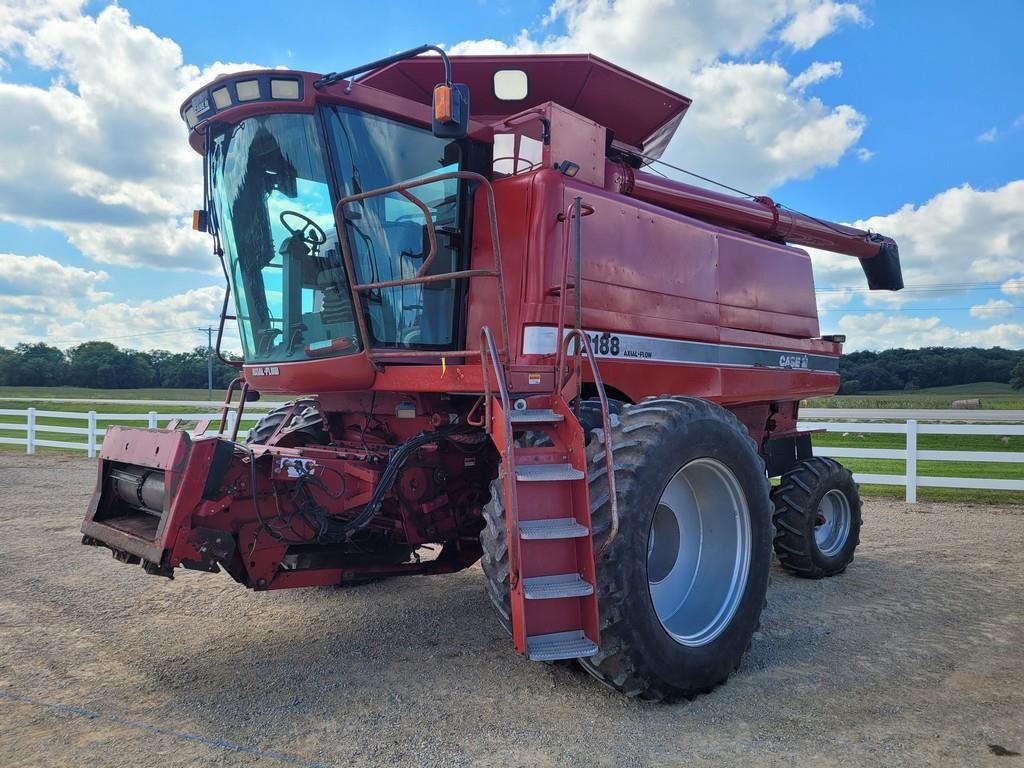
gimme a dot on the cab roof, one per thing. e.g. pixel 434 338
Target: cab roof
pixel 640 113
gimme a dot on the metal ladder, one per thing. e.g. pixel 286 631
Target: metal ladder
pixel 550 537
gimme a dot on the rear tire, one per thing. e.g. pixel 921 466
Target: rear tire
pixel 817 518
pixel 697 460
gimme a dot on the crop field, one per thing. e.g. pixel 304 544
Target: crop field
pixel 993 396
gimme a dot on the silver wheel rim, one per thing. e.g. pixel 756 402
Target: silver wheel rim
pixel 832 523
pixel 698 552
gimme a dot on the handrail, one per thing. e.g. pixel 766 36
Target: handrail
pixel 575 212
pixel 609 460
pixel 420 277
pixel 512 503
pixel 239 409
pixel 220 328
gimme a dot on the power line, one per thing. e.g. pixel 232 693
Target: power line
pixel 923 309
pixel 144 334
pixel 936 287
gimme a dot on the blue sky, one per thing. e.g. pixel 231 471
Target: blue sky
pixel 907 117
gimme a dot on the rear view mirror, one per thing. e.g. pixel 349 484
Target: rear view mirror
pixel 451 111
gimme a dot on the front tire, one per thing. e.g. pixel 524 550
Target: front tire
pixel 305 425
pixel 676 620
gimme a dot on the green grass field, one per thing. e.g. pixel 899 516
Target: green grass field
pixel 31 393
pixel 993 396
pixel 938 397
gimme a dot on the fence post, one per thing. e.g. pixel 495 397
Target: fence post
pixel 30 431
pixel 92 435
pixel 911 461
pixel 152 420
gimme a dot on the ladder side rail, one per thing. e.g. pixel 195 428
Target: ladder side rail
pixel 584 342
pixel 573 214
pixel 226 405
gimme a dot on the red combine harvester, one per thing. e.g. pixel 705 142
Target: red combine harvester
pixel 524 350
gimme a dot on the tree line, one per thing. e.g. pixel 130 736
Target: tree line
pixel 102 365
pixel 910 369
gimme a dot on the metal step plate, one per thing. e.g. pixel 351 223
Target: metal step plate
pixel 560 645
pixel 557 528
pixel 547 472
pixel 554 587
pixel 535 416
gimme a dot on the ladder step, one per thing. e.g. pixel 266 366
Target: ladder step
pixel 554 587
pixel 558 528
pixel 547 472
pixel 535 416
pixel 560 645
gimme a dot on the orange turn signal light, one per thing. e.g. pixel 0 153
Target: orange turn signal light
pixel 199 220
pixel 443 104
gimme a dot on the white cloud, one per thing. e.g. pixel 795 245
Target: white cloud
pixel 1013 287
pixel 750 124
pixel 958 237
pixel 880 331
pixel 41 277
pixel 19 17
pixel 989 136
pixel 815 73
pixel 145 324
pixel 44 300
pixel 101 154
pixel 812 21
pixel 992 308
pixel 864 154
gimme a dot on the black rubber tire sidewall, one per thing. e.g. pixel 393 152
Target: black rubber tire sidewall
pixel 796 501
pixel 689 669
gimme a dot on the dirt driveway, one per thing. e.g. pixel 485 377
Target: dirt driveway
pixel 914 656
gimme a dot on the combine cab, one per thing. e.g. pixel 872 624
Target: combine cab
pixel 507 342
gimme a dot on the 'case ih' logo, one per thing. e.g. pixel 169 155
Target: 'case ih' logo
pixel 268 370
pixel 793 361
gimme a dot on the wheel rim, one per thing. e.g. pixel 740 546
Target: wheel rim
pixel 832 523
pixel 698 552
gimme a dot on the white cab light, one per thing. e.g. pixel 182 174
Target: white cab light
pixel 284 89
pixel 248 90
pixel 222 98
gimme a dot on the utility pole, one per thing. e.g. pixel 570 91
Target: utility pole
pixel 209 361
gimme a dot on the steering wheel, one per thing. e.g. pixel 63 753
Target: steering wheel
pixel 307 230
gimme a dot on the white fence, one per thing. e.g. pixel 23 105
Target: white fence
pixel 32 427
pixel 911 454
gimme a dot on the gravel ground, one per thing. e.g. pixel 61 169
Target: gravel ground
pixel 913 657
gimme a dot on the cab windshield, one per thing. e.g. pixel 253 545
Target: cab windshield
pixel 275 213
pixel 276 222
